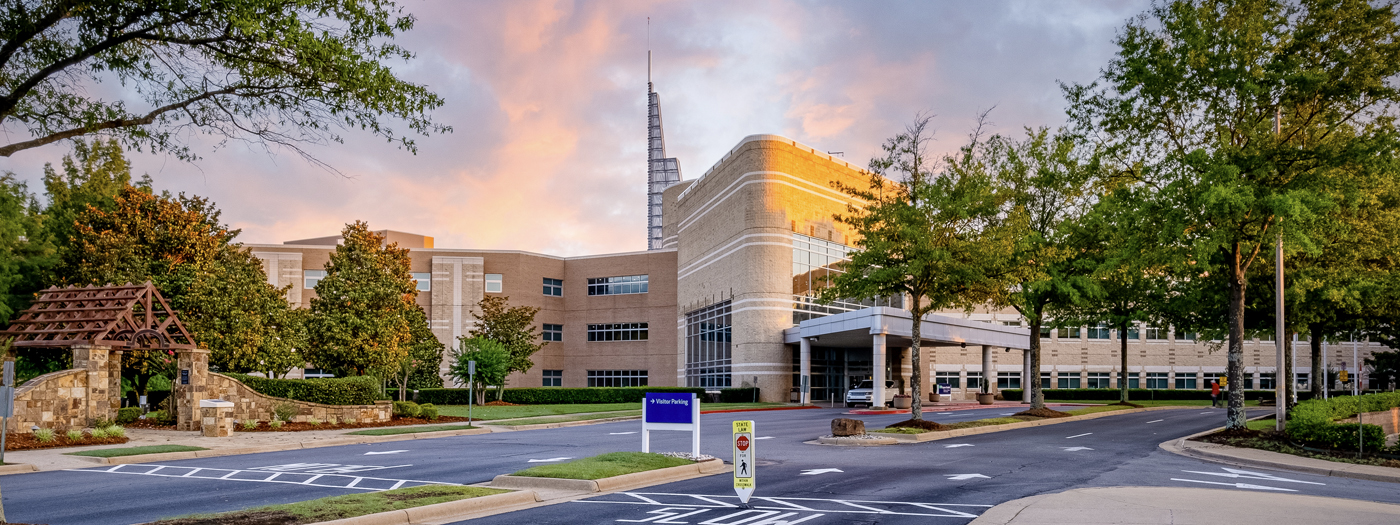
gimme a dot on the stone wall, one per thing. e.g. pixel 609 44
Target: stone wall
pixel 248 404
pixel 57 400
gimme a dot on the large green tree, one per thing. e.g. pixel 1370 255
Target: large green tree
pixel 281 72
pixel 1192 97
pixel 512 326
pixel 360 318
pixel 492 365
pixel 938 239
pixel 420 367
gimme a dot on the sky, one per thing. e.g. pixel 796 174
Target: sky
pixel 547 101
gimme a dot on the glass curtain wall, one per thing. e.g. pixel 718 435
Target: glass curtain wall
pixel 708 347
pixel 813 262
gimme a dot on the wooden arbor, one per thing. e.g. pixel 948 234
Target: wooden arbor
pixel 99 323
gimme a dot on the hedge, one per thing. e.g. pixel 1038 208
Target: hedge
pixel 357 390
pixel 552 395
pixel 1311 422
pixel 1135 394
pixel 738 395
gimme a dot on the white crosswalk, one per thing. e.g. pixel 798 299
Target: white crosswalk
pixel 310 479
pixel 767 509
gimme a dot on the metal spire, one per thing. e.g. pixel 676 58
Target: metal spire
pixel 662 171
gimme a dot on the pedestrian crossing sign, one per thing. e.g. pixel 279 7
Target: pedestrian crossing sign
pixel 743 460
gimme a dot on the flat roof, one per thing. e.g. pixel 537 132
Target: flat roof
pixel 854 329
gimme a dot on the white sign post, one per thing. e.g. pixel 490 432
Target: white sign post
pixel 663 411
pixel 743 460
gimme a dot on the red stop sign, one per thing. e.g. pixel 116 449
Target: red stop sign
pixel 742 442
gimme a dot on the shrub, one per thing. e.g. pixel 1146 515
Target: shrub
pixel 348 421
pixel 1312 422
pixel 314 422
pixel 358 390
pixel 127 415
pixel 275 424
pixel 428 411
pixel 738 395
pixel 406 409
pixel 161 416
pixel 285 411
pixel 250 424
pixel 98 433
pixel 101 422
pixel 74 435
pixel 116 431
pixel 44 435
pixel 331 421
pixel 554 395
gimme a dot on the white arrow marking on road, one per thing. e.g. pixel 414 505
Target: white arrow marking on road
pixel 385 452
pixel 1075 449
pixel 620 433
pixel 547 460
pixel 815 471
pixel 960 477
pixel 958 445
pixel 1157 421
pixel 1237 485
pixel 764 437
pixel 1079 435
pixel 1237 473
pixel 1009 414
pixel 944 413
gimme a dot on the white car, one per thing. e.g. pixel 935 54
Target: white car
pixel 860 395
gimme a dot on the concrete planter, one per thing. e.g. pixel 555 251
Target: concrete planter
pixel 933 397
pixel 986 399
pixel 903 401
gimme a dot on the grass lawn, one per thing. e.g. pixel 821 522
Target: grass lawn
pixel 604 466
pixel 566 419
pixel 394 431
pixel 135 451
pixel 338 507
pixel 1002 420
pixel 1151 402
pixel 522 411
pixel 1261 424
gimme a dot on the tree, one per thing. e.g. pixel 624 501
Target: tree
pixel 419 369
pixel 360 320
pixel 1192 97
pixel 940 241
pixel 245 323
pixel 492 364
pixel 275 72
pixel 17 224
pixel 1385 369
pixel 513 327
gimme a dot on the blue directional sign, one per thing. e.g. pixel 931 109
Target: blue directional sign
pixel 670 408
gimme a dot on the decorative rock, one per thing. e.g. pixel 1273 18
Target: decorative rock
pixel 847 427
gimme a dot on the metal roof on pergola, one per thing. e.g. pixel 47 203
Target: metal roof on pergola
pixel 130 316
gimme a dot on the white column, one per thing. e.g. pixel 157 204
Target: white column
pixel 1026 376
pixel 989 375
pixel 877 377
pixel 805 372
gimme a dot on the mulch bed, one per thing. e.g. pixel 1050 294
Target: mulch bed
pixel 302 427
pixel 1125 404
pixel 1042 412
pixel 921 424
pixel 499 404
pixel 150 424
pixel 1278 442
pixel 29 442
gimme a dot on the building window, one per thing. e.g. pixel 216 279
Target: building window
pixel 708 350
pixel 1133 379
pixel 617 378
pixel 552 332
pixel 1099 332
pixel 1157 380
pixel 814 261
pixel 423 281
pixel 1186 336
pixel 311 277
pixel 1069 381
pixel 1185 382
pixel 617 332
pixel 1008 380
pixel 1011 323
pixel 1248 381
pixel 1045 332
pixel 952 379
pixel 1133 333
pixel 1302 380
pixel 974 380
pixel 493 283
pixel 1068 332
pixel 1047 380
pixel 553 378
pixel 1098 380
pixel 627 284
pixel 554 287
pixel 1266 381
pixel 1156 334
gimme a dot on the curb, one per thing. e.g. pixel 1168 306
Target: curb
pixel 856 442
pixel 1275 460
pixel 18 468
pixel 927 410
pixel 623 482
pixel 442 511
pixel 334 442
pixel 962 432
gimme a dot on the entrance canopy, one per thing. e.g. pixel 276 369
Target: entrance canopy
pixel 124 317
pixel 853 329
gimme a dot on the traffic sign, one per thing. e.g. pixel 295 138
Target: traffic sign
pixel 743 460
pixel 1342 376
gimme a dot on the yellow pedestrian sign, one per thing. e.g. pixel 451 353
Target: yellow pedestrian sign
pixel 1342 376
pixel 743 460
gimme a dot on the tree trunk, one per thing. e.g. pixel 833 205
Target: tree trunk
pixel 1318 378
pixel 1234 371
pixel 1123 366
pixel 1033 382
pixel 916 406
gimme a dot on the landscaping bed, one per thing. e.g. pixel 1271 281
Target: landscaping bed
pixel 30 442
pixel 1274 441
pixel 134 451
pixel 409 430
pixel 338 507
pixel 299 426
pixel 906 427
pixel 605 466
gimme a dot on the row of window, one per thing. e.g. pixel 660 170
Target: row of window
pixel 617 332
pixel 1104 332
pixel 628 284
pixel 601 378
pixel 1154 380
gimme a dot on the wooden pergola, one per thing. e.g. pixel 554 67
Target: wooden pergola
pixel 126 317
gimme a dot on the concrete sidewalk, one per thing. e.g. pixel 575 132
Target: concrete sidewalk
pixel 1184 506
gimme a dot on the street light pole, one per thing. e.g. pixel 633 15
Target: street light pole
pixel 1280 404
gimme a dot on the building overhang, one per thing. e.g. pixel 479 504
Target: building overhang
pixel 853 330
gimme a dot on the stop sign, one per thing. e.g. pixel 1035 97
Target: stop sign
pixel 742 442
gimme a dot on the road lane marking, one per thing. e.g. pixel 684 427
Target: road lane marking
pixel 621 433
pixel 815 471
pixel 1079 435
pixel 1246 474
pixel 961 477
pixel 549 460
pixel 958 445
pixel 1157 421
pixel 764 437
pixel 1237 485
pixel 335 481
pixel 820 506
pixel 1075 449
pixel 385 452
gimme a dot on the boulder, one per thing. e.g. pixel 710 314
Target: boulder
pixel 847 427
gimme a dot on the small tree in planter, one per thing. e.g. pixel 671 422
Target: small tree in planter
pixel 492 364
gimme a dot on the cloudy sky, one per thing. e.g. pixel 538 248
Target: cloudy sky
pixel 548 103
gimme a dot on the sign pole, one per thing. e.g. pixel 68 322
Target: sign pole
pixel 744 466
pixel 471 391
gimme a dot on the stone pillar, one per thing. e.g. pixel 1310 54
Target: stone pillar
pixel 989 373
pixel 1027 375
pixel 114 380
pixel 216 418
pixel 95 361
pixel 926 384
pixel 192 366
pixel 804 377
pixel 877 368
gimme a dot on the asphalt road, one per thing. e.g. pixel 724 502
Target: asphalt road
pixel 940 481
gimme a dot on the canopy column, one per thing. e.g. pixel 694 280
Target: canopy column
pixel 877 377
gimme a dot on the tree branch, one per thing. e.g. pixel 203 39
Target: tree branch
pixel 10 149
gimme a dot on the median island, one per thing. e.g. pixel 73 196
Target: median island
pixel 337 507
pixel 1040 414
pixel 605 466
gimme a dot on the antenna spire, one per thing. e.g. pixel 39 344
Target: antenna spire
pixel 648 52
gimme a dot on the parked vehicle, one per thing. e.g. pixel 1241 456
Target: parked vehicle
pixel 861 394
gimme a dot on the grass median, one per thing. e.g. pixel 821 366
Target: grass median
pixel 134 451
pixel 394 431
pixel 1002 420
pixel 604 466
pixel 495 413
pixel 337 507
